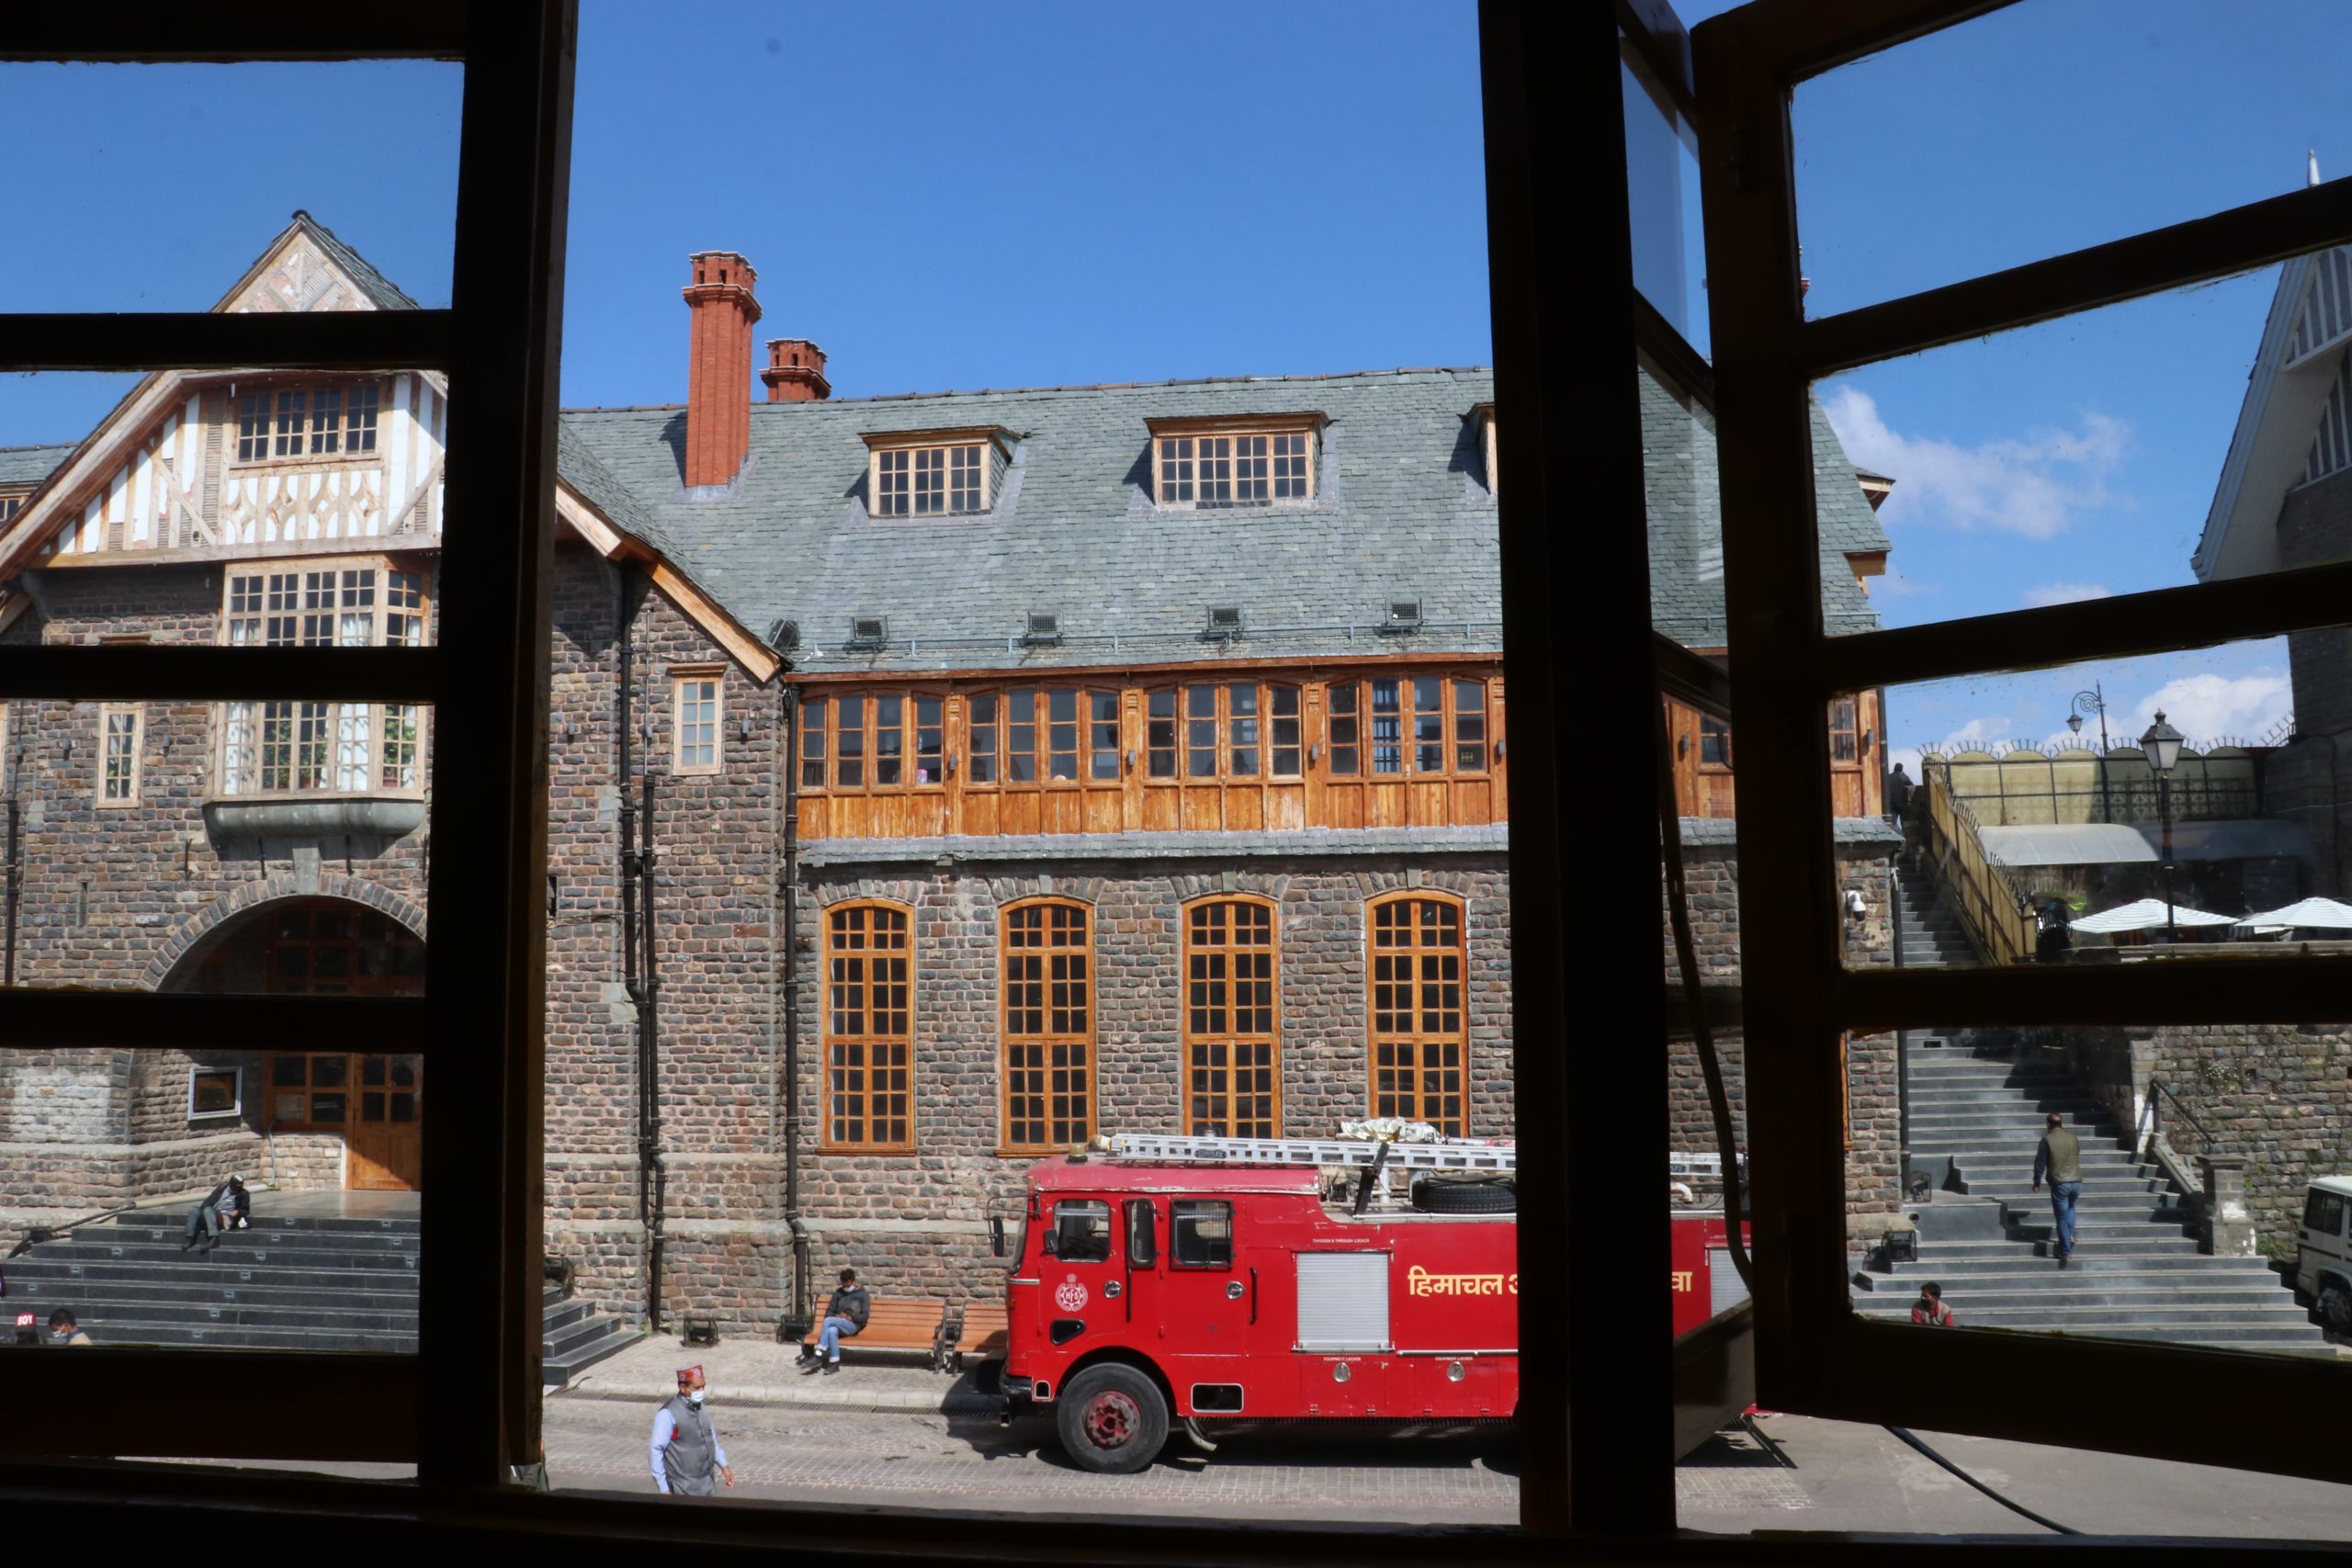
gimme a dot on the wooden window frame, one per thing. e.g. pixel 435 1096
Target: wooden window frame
pixel 1449 742
pixel 1420 1038
pixel 1222 722
pixel 236 436
pixel 986 445
pixel 107 713
pixel 1813 1354
pixel 829 1142
pixel 1195 1039
pixel 1483 415
pixel 823 728
pixel 1049 1040
pixel 1175 452
pixel 242 723
pixel 1001 755
pixel 681 677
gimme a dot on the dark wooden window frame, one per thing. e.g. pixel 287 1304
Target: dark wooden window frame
pixel 1268 1040
pixel 1222 723
pixel 1420 1038
pixel 826 732
pixel 866 1041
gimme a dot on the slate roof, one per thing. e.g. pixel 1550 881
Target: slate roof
pixel 1686 523
pixel 30 465
pixel 1401 510
pixel 378 289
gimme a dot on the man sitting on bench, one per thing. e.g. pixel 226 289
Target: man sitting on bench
pixel 844 1316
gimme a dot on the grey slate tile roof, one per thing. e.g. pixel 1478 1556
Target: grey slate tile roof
pixel 30 465
pixel 1401 509
pixel 1686 522
pixel 378 289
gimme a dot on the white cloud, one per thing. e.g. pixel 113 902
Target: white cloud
pixel 2064 593
pixel 2207 708
pixel 1895 585
pixel 2033 485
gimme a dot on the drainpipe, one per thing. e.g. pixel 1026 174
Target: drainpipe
pixel 788 930
pixel 637 940
pixel 16 878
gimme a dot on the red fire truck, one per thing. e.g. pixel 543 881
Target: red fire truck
pixel 1166 1279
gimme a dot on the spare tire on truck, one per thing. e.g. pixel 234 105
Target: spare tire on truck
pixel 1436 1197
pixel 1112 1419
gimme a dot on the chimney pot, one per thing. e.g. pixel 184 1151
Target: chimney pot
pixel 796 372
pixel 718 370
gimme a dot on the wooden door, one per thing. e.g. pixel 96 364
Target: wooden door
pixel 385 1143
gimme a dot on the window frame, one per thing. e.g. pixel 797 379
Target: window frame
pixel 387 569
pixel 989 445
pixel 1420 1038
pixel 1183 1208
pixel 1408 744
pixel 681 677
pixel 965 751
pixel 1223 745
pixel 826 733
pixel 238 436
pixel 1173 442
pixel 1192 1040
pixel 107 713
pixel 1049 1040
pixel 828 1140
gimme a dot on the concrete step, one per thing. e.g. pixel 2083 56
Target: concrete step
pixel 2066 1288
pixel 144 1332
pixel 2010 1263
pixel 199 1276
pixel 70 1292
pixel 98 1313
pixel 559 1368
pixel 577 1336
pixel 2289 1319
pixel 161 1261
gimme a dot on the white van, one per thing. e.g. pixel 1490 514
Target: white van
pixel 2324 1264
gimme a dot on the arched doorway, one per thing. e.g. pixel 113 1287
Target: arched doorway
pixel 319 946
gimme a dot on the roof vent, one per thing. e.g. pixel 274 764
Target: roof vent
pixel 1225 621
pixel 784 635
pixel 1403 616
pixel 867 633
pixel 1044 630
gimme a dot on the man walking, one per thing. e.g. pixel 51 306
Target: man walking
pixel 1898 797
pixel 226 1203
pixel 844 1316
pixel 686 1459
pixel 2060 1158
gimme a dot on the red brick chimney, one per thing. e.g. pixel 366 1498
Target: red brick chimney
pixel 718 369
pixel 796 372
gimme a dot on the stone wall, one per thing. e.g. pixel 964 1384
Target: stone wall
pixel 2280 1095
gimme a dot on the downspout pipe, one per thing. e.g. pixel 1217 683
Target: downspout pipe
pixel 636 980
pixel 788 942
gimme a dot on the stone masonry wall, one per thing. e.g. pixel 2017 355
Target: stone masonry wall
pixel 2280 1095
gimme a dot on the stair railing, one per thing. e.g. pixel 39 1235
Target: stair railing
pixel 1993 910
pixel 2152 1119
pixel 35 1234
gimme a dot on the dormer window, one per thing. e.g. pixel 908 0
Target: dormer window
pixel 1483 416
pixel 1255 460
pixel 282 424
pixel 935 473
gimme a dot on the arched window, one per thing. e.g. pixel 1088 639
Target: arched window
pixel 1419 1034
pixel 1028 736
pixel 869 1033
pixel 1046 962
pixel 1232 1019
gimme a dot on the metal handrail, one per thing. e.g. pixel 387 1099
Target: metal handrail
pixel 2158 1087
pixel 35 1234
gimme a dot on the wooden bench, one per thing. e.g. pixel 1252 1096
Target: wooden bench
pixel 893 1323
pixel 979 1331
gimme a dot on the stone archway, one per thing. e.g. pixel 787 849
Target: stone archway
pixel 177 964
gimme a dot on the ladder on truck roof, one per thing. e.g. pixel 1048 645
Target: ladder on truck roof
pixel 1449 1154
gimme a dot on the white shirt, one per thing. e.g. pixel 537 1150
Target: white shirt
pixel 665 1426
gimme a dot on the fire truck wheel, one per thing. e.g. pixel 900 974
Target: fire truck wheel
pixel 1465 1197
pixel 1112 1419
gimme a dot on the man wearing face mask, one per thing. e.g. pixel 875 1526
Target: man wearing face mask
pixel 64 1330
pixel 686 1459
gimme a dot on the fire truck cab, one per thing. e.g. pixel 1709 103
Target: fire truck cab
pixel 1166 1279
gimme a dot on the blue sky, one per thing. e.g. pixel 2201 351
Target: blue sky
pixel 946 195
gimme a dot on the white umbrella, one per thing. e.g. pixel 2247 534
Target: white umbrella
pixel 2148 914
pixel 2316 912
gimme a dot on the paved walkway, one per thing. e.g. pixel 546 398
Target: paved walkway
pixel 756 1373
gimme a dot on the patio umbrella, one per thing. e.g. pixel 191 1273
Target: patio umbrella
pixel 2148 914
pixel 2319 913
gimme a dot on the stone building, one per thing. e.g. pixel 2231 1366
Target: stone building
pixel 935 782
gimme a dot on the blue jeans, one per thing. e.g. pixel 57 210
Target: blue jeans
pixel 829 1339
pixel 209 1217
pixel 2064 1196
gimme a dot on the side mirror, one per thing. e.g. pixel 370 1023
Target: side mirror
pixel 996 1234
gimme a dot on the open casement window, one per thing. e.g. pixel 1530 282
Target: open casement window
pixel 1420 1040
pixel 1792 693
pixel 271 748
pixel 699 740
pixel 122 736
pixel 1046 958
pixel 869 1034
pixel 284 423
pixel 1232 1020
pixel 935 473
pixel 1211 464
pixel 1222 730
pixel 1395 725
pixel 1042 737
pixel 1482 424
pixel 864 743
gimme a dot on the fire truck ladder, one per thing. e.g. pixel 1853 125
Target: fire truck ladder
pixel 1366 1153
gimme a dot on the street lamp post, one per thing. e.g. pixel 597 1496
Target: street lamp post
pixel 2161 745
pixel 2094 701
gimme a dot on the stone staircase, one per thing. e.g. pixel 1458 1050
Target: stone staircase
pixel 1990 1240
pixel 1927 933
pixel 291 1282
